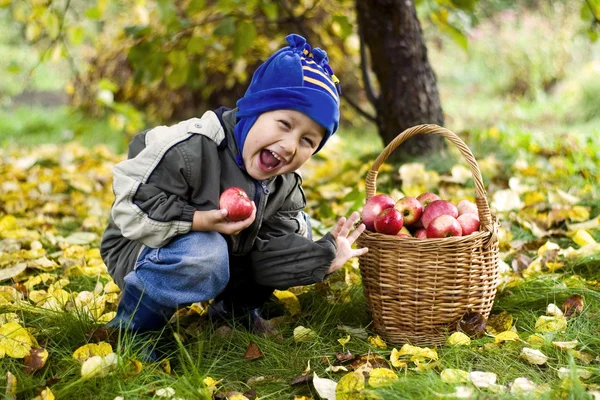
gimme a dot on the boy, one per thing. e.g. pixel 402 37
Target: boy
pixel 168 244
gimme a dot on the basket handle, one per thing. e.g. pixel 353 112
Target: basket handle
pixel 485 216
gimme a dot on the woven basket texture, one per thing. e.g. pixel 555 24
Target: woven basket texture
pixel 418 289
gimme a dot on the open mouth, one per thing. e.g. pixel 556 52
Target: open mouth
pixel 270 160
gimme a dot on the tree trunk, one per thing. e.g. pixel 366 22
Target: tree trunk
pixel 398 57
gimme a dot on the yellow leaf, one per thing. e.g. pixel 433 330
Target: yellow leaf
pixel 499 323
pixel 583 237
pixel 533 356
pixel 379 377
pixel 211 384
pixel 395 359
pixel 289 301
pixel 565 345
pixel 111 287
pixel 458 338
pixel 236 396
pixel 11 385
pixel 547 247
pixel 15 341
pixel 536 340
pixel 547 323
pixel 167 392
pixel 450 375
pixel 98 366
pixel 92 349
pixel 350 387
pixel 45 395
pixel 506 336
pixel 302 334
pixel 418 353
pixel 344 341
pixel 376 341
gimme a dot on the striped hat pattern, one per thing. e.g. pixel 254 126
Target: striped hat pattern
pixel 298 78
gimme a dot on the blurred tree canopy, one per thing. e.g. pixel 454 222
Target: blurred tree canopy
pixel 152 61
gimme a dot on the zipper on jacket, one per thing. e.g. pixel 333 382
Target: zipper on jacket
pixel 265 189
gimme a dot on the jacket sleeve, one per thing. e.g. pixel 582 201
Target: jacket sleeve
pixel 284 254
pixel 152 190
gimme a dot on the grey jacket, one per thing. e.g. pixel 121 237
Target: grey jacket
pixel 173 171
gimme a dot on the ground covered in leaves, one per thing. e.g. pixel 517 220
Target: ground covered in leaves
pixel 541 341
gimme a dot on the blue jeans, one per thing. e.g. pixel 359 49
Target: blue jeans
pixel 191 268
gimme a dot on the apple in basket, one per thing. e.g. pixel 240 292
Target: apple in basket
pixel 237 203
pixel 467 207
pixel 421 233
pixel 373 207
pixel 444 226
pixel 469 223
pixel 437 208
pixel 427 197
pixel 389 221
pixel 411 209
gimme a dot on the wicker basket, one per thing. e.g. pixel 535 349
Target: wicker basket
pixel 418 289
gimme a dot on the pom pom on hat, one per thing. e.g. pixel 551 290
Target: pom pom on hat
pixel 297 78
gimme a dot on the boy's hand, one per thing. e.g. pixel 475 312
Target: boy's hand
pixel 216 220
pixel 344 240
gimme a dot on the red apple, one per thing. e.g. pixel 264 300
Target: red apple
pixel 467 207
pixel 237 203
pixel 444 226
pixel 389 221
pixel 437 208
pixel 421 234
pixel 411 209
pixel 427 197
pixel 469 223
pixel 373 207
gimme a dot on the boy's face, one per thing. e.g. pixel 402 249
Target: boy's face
pixel 280 142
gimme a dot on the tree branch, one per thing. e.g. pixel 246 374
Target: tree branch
pixel 364 68
pixel 359 110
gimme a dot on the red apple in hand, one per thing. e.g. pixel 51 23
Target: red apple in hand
pixel 437 208
pixel 427 197
pixel 411 209
pixel 444 226
pixel 237 203
pixel 467 207
pixel 389 221
pixel 373 207
pixel 469 223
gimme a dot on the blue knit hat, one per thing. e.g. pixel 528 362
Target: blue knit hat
pixel 296 78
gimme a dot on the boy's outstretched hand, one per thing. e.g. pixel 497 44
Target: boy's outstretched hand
pixel 216 220
pixel 344 239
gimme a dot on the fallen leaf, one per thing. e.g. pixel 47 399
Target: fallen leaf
pixel 302 334
pixel 46 394
pixel 15 341
pixel 380 377
pixel 289 301
pixel 376 341
pixel 360 333
pixel 344 341
pixel 167 392
pixel 35 360
pixel 253 352
pixel 506 336
pixel 11 272
pixel 582 373
pixel 522 387
pixel 11 386
pixel 450 375
pixel 458 338
pixel 565 345
pixel 573 305
pixel 350 386
pixel 301 379
pixel 336 368
pixel 499 323
pixel 547 323
pixel 482 379
pixel 92 349
pixel 98 366
pixel 533 356
pixel 325 387
pixel 473 324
